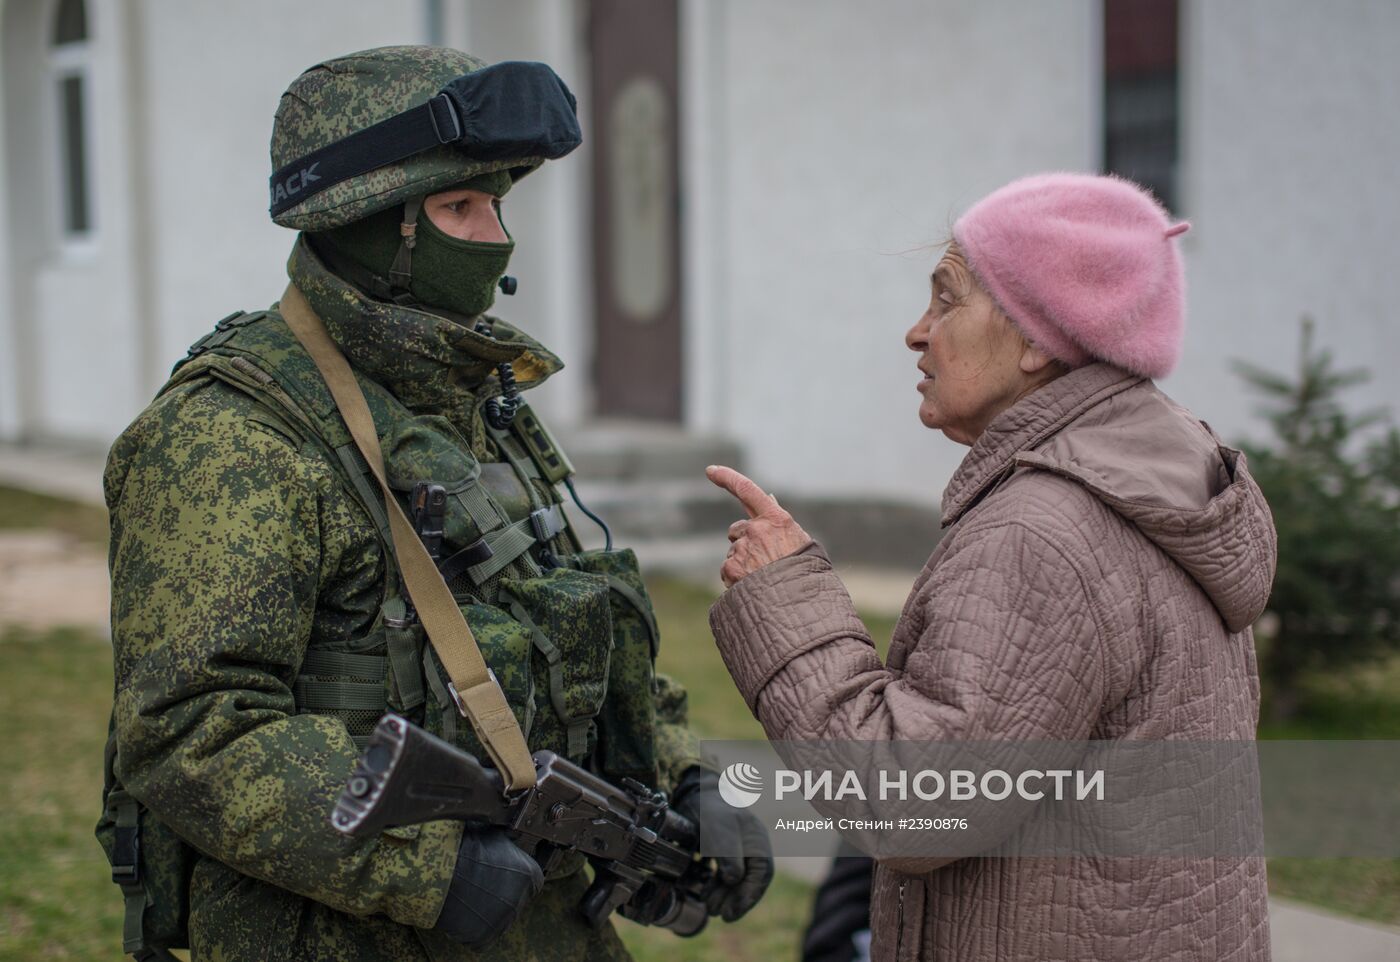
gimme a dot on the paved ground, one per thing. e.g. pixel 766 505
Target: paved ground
pixel 1300 933
pixel 47 579
pixel 1303 933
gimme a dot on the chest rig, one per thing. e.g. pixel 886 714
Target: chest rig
pixel 569 635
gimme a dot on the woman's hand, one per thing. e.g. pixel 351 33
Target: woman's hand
pixel 769 533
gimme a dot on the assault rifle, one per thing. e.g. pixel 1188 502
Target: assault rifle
pixel 644 855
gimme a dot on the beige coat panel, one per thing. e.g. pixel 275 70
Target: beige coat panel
pixel 1104 558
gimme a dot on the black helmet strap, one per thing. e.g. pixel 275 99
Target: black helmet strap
pixel 508 110
pixel 401 271
pixel 387 142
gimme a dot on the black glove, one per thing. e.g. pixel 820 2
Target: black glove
pixel 492 883
pixel 736 838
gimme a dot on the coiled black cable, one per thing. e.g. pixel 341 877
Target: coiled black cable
pixel 501 410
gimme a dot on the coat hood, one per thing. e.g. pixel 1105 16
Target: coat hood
pixel 1152 462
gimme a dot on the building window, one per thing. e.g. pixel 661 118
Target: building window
pixel 1142 94
pixel 69 60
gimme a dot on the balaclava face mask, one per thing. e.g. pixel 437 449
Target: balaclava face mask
pixel 456 275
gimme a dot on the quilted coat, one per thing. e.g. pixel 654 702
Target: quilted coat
pixel 1103 560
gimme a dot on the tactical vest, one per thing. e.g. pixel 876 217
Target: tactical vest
pixel 570 635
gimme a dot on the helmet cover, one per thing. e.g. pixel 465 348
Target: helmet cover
pixel 344 96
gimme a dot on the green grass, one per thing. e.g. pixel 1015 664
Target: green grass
pixel 56 895
pixel 24 509
pixel 689 655
pixel 1365 887
pixel 772 932
pixel 56 901
pixel 1362 701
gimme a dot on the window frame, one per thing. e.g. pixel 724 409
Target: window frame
pixel 1139 84
pixel 63 62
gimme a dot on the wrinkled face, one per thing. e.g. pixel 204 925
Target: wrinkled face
pixel 974 362
pixel 469 215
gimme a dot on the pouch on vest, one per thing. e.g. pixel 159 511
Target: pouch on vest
pixel 150 862
pixel 506 645
pixel 627 722
pixel 358 682
pixel 569 618
pixel 425 447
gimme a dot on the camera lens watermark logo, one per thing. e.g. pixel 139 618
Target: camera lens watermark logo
pixel 740 784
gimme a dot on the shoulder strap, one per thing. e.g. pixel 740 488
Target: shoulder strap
pixel 474 687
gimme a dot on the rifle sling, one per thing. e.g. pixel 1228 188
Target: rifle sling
pixel 477 693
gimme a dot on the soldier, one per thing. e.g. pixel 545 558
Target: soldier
pixel 260 621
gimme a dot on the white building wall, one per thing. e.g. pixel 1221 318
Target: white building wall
pixel 829 143
pixel 1292 129
pixel 180 99
pixel 215 72
pixel 18 83
pixel 223 131
pixel 826 147
pixel 183 98
pixel 70 331
pixel 548 212
pixel 829 148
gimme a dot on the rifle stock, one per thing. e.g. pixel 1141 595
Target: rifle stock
pixel 406 776
pixel 644 855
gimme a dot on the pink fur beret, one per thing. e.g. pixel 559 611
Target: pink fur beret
pixel 1085 265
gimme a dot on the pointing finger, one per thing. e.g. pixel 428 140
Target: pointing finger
pixel 750 495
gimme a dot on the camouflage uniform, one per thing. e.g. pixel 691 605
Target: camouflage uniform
pixel 244 556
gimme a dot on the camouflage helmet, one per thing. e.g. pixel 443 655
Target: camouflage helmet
pixel 339 97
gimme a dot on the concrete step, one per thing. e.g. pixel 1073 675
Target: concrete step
pixel 617 450
pixel 658 507
pixel 58 470
pixel 696 558
pixel 871 532
pixel 855 531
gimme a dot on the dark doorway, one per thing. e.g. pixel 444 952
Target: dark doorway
pixel 636 203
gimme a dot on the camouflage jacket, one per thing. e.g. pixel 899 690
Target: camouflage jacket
pixel 239 555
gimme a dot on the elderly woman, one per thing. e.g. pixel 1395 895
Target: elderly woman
pixel 1103 560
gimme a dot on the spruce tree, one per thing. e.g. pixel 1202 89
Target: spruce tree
pixel 1332 480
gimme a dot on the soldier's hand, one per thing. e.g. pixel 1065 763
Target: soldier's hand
pixel 767 534
pixel 735 838
pixel 493 881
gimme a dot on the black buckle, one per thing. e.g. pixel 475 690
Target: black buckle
pixel 451 113
pixel 200 346
pixel 473 554
pixel 126 855
pixel 221 332
pixel 545 524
